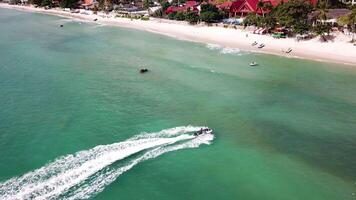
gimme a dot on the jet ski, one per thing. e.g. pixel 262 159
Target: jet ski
pixel 203 131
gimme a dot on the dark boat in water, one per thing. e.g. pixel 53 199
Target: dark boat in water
pixel 143 70
pixel 203 131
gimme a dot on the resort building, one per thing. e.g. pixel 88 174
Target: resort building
pixel 89 3
pixel 244 7
pixel 238 8
pixel 332 15
pixel 188 6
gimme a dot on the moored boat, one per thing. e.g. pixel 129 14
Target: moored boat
pixel 253 64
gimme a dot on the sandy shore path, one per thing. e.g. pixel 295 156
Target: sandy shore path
pixel 338 51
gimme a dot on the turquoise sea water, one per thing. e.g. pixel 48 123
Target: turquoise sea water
pixel 283 130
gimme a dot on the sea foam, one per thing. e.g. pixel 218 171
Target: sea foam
pixel 224 50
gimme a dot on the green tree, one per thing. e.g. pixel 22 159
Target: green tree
pixel 210 13
pixel 172 15
pixel 69 3
pixel 165 5
pixel 269 21
pixel 322 11
pixel 147 3
pixel 265 7
pixel 302 28
pixel 108 5
pixel 293 14
pixel 322 29
pixel 101 4
pixel 180 16
pixel 251 19
pixel 260 6
pixel 14 2
pixel 209 17
pixel 192 17
pixel 36 2
pixel 48 3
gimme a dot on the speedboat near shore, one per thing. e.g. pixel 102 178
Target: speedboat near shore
pixel 203 131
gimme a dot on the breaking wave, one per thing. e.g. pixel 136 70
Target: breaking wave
pixel 86 173
pixel 224 50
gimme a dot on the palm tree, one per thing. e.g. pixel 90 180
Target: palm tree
pixel 107 5
pixel 267 6
pixel 322 15
pixel 352 22
pixel 349 20
pixel 260 6
pixel 323 11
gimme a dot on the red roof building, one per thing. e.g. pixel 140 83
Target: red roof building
pixel 235 8
pixel 244 7
pixel 189 5
pixel 225 6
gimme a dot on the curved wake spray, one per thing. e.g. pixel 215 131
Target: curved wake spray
pixel 65 177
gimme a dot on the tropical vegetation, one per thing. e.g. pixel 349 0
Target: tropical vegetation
pixel 350 21
pixel 209 13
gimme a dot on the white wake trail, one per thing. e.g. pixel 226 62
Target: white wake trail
pixel 56 178
pixel 100 182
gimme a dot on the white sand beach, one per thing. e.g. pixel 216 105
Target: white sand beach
pixel 340 50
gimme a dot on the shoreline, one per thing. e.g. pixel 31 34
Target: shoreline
pixel 339 51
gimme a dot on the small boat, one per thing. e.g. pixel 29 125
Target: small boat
pixel 261 46
pixel 95 19
pixel 254 43
pixel 61 25
pixel 203 131
pixel 143 70
pixel 253 64
pixel 289 50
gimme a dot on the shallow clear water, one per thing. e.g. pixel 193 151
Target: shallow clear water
pixel 284 129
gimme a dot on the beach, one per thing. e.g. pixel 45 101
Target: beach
pixel 339 50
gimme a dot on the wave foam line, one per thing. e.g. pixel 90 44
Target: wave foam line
pixel 58 177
